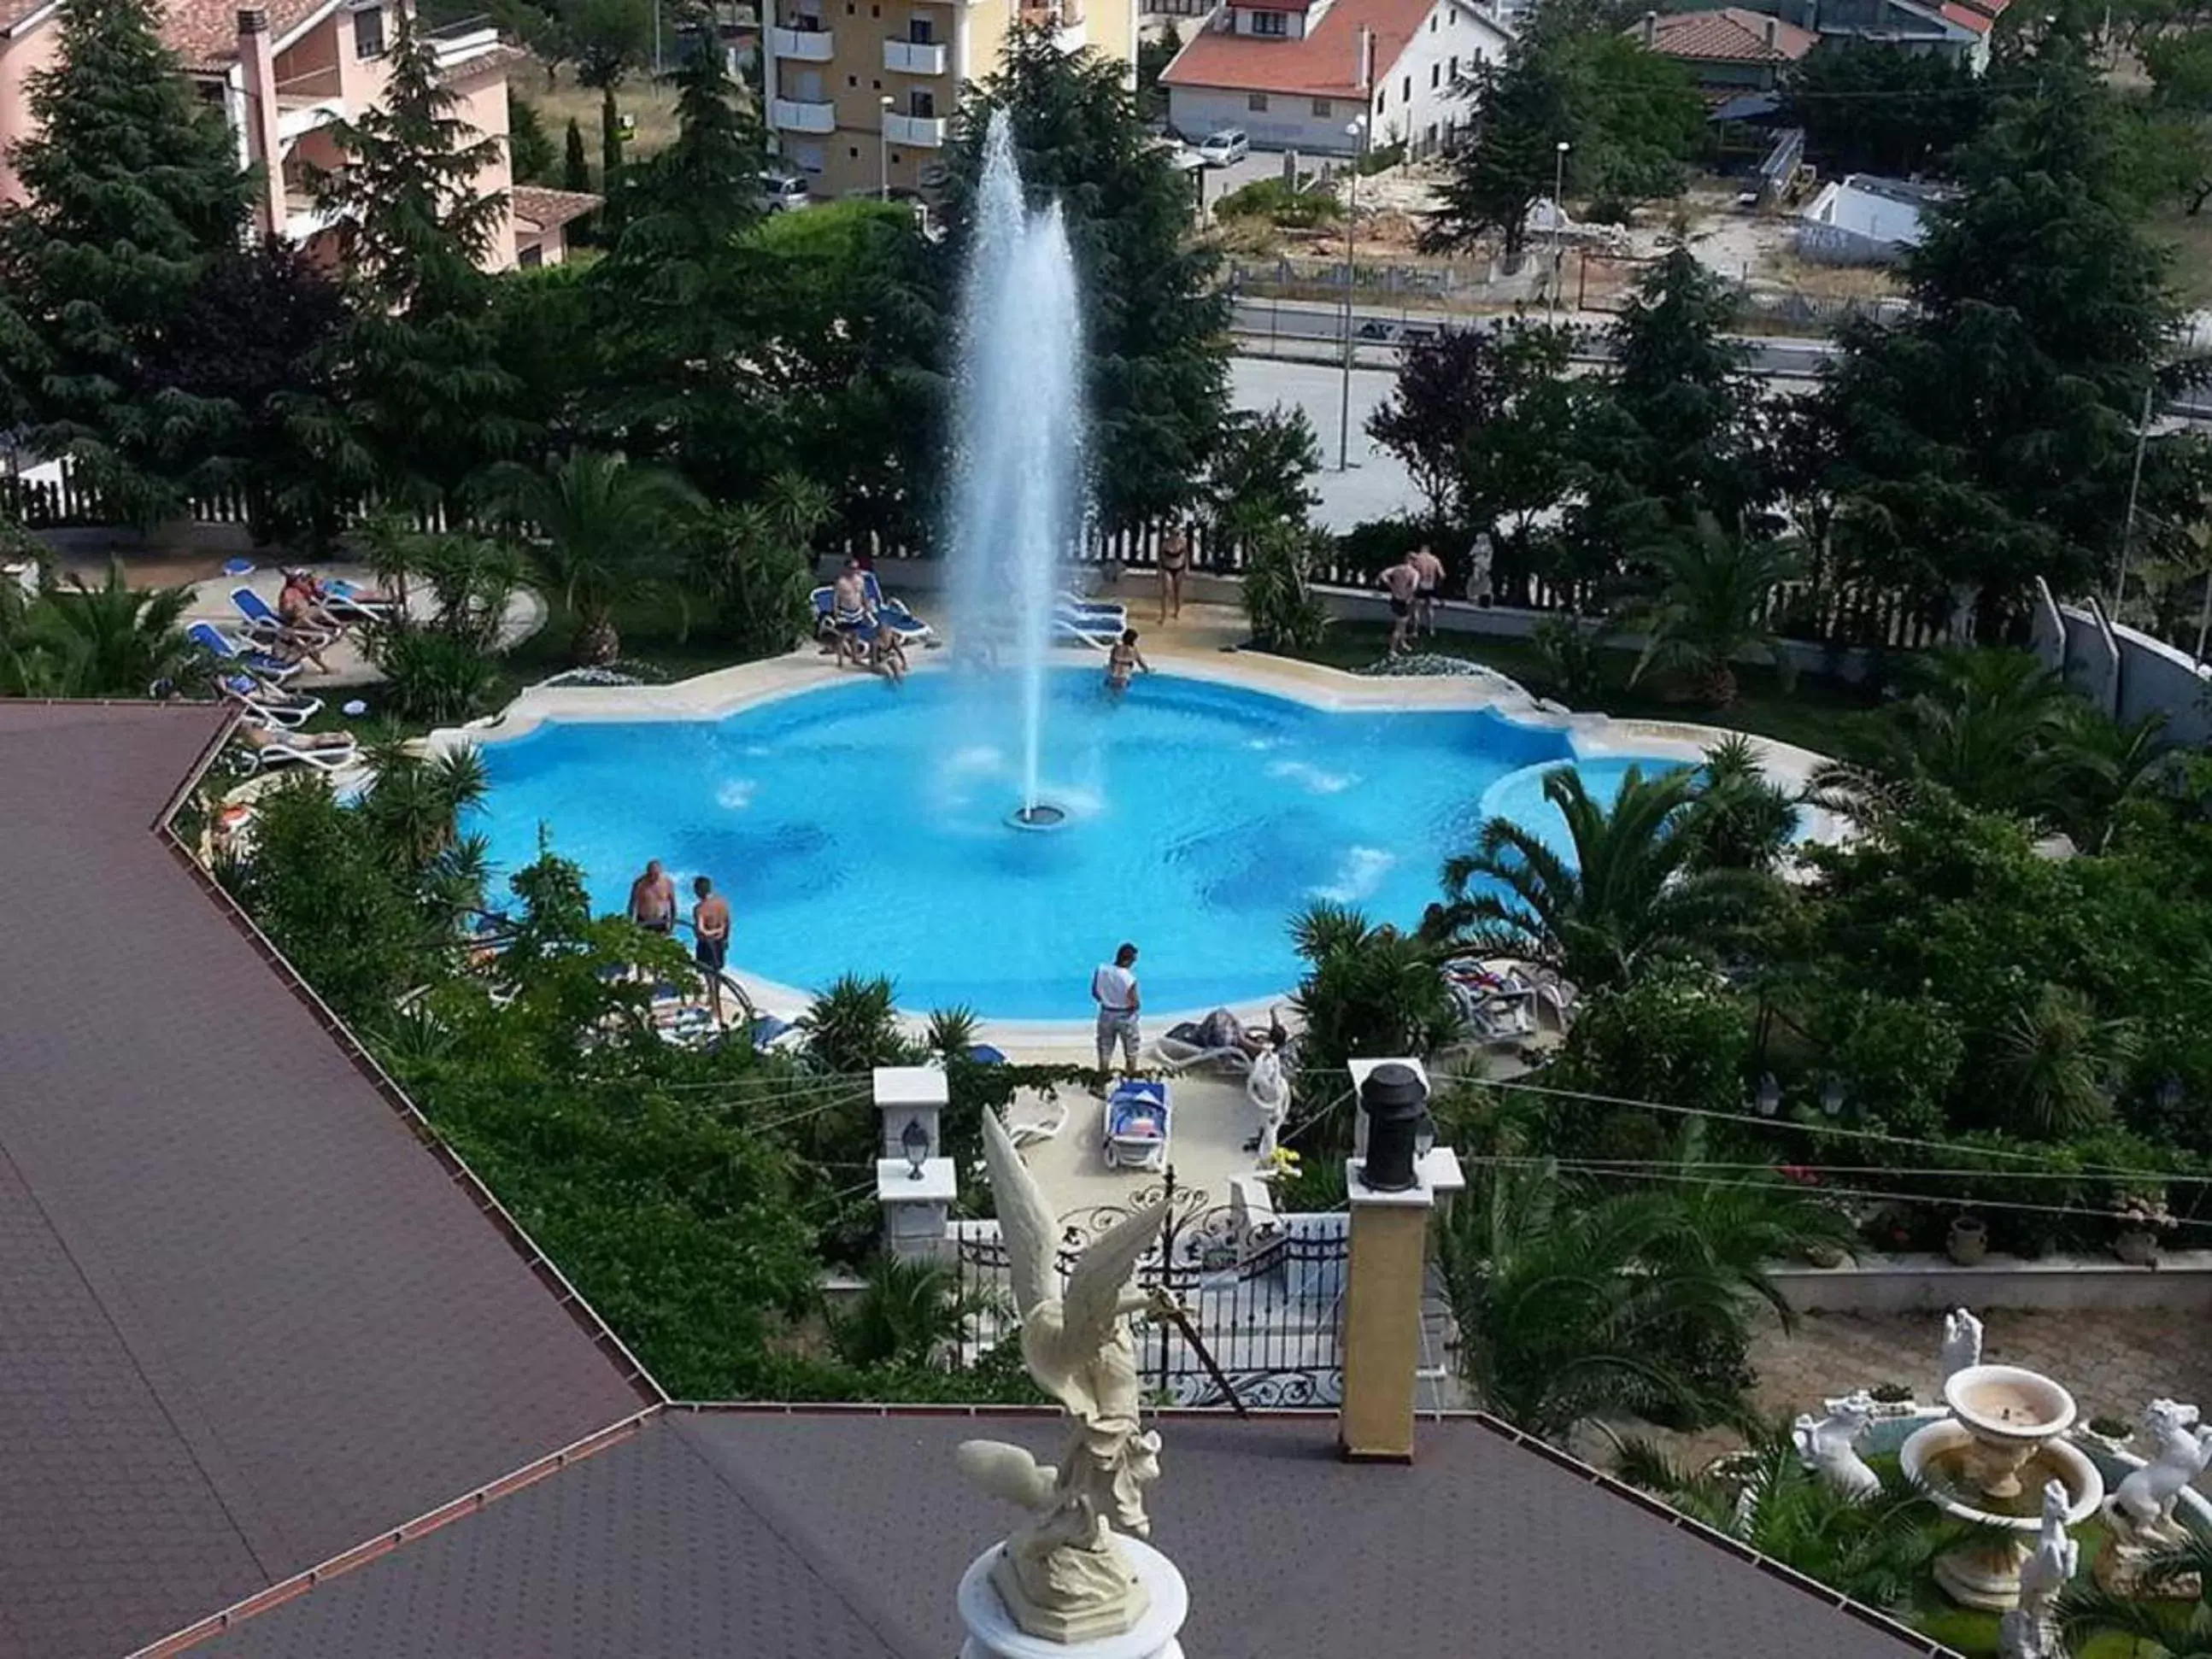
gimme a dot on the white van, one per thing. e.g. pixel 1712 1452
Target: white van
pixel 1220 149
pixel 783 192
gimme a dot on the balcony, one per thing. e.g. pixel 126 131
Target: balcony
pixel 806 45
pixel 914 131
pixel 914 56
pixel 297 117
pixel 303 218
pixel 795 115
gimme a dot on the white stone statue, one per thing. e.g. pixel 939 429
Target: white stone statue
pixel 2029 1631
pixel 1479 556
pixel 2142 1510
pixel 1062 1577
pixel 1829 1446
pixel 1269 1091
pixel 1962 1342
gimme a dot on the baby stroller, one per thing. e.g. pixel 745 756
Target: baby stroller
pixel 1137 1126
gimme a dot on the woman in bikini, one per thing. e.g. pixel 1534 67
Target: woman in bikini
pixel 1174 559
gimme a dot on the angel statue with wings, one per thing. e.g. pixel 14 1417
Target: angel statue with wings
pixel 1062 1577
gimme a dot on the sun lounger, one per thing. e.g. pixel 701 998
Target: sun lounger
pixel 1096 626
pixel 235 655
pixel 265 704
pixel 1183 1048
pixel 279 751
pixel 343 600
pixel 263 623
pixel 1137 1119
pixel 893 614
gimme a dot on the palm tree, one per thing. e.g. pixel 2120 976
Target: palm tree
pixel 1743 820
pixel 1569 1309
pixel 594 534
pixel 1878 1550
pixel 1632 889
pixel 1368 989
pixel 2056 1062
pixel 2147 1629
pixel 1711 608
pixel 111 641
pixel 906 1313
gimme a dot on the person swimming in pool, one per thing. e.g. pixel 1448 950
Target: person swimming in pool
pixel 1124 661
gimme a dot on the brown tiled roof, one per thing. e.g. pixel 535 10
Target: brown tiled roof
pixel 13 12
pixel 1323 64
pixel 1731 35
pixel 841 1534
pixel 547 210
pixel 203 33
pixel 250 1318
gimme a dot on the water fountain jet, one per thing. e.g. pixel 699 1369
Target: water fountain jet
pixel 1018 503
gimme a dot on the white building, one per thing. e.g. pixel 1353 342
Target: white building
pixel 1859 220
pixel 1296 74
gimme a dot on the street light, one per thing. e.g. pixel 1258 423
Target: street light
pixel 884 151
pixel 914 1141
pixel 1358 133
pixel 1558 213
pixel 2135 487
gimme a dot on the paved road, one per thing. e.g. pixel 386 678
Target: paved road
pixel 1376 484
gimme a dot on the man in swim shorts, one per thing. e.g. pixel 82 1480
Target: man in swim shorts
pixel 1402 582
pixel 1431 569
pixel 710 923
pixel 653 900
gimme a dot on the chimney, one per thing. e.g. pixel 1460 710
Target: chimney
pixel 1392 1193
pixel 1651 30
pixel 257 65
pixel 1773 28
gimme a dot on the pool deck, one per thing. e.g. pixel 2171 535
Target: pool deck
pixel 1201 646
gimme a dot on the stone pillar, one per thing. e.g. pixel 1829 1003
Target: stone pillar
pixel 1383 1316
pixel 257 64
pixel 993 1634
pixel 916 1201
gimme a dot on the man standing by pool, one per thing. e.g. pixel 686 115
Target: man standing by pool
pixel 710 922
pixel 1431 570
pixel 1402 582
pixel 653 900
pixel 1114 988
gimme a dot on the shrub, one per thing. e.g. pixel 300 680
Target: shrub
pixel 431 678
pixel 1380 159
pixel 1372 547
pixel 1285 614
pixel 1279 203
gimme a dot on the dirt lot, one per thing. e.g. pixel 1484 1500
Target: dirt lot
pixel 653 104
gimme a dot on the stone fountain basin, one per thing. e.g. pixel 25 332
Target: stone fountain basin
pixel 2007 1403
pixel 1946 1437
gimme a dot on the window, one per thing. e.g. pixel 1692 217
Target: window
pixel 854 152
pixel 1271 23
pixel 1379 97
pixel 1405 90
pixel 1256 101
pixel 921 32
pixel 1320 108
pixel 1432 22
pixel 532 257
pixel 1436 74
pixel 368 33
pixel 851 80
pixel 1455 66
pixel 921 104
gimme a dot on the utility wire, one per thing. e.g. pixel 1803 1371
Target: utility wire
pixel 1632 1165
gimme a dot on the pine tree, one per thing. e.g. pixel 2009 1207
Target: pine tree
pixel 575 166
pixel 134 187
pixel 422 400
pixel 1155 322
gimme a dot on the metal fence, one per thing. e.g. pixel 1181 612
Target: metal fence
pixel 1263 1304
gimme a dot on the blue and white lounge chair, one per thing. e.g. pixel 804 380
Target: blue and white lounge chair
pixel 263 622
pixel 1137 1119
pixel 268 705
pixel 278 751
pixel 343 600
pixel 894 614
pixel 1095 625
pixel 234 656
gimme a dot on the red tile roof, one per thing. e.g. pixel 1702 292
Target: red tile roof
pixel 547 210
pixel 1323 64
pixel 203 33
pixel 1731 35
pixel 1966 17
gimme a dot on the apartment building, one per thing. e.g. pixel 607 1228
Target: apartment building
pixel 861 93
pixel 284 71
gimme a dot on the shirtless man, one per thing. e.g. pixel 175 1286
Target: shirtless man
pixel 303 630
pixel 653 900
pixel 710 922
pixel 850 615
pixel 1123 661
pixel 1402 582
pixel 1431 572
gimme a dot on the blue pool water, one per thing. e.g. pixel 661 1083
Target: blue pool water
pixel 860 827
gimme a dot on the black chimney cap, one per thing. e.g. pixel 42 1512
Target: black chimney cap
pixel 1396 1101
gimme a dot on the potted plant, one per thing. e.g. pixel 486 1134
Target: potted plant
pixel 1891 1400
pixel 1968 1240
pixel 2112 1433
pixel 2142 1219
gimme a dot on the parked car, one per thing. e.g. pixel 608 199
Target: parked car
pixel 1223 149
pixel 783 192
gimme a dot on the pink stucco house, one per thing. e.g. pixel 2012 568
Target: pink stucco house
pixel 283 71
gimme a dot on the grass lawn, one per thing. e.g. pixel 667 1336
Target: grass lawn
pixel 1814 714
pixel 2190 239
pixel 652 102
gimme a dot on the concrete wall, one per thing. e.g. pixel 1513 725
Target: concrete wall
pixel 1932 1284
pixel 2126 673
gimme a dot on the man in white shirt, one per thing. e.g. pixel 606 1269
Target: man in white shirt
pixel 1114 988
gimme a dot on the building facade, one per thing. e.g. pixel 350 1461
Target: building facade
pixel 284 72
pixel 861 93
pixel 1298 75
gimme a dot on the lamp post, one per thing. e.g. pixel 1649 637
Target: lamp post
pixel 1558 213
pixel 1358 133
pixel 2135 487
pixel 883 150
pixel 914 1141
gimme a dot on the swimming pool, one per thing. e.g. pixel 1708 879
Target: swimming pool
pixel 860 828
